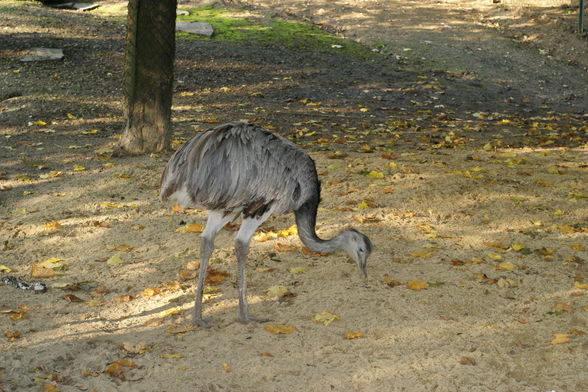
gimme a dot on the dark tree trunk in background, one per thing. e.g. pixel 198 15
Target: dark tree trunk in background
pixel 150 49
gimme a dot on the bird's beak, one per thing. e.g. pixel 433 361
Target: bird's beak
pixel 363 267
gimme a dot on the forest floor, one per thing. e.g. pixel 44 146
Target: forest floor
pixel 458 145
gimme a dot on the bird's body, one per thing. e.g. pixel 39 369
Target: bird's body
pixel 240 169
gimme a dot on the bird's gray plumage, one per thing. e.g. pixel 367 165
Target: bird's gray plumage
pixel 241 169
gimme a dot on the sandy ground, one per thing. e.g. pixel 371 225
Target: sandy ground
pixel 472 189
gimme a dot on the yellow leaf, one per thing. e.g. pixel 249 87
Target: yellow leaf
pixel 553 170
pixel 560 338
pixel 292 230
pixel 487 147
pixel 578 246
pixel 50 225
pixel 353 335
pixel 506 266
pixel 558 212
pixel 494 256
pixel 40 123
pixel 90 132
pixel 150 292
pixel 325 317
pixel 78 168
pixel 280 329
pixel 297 270
pixel 190 228
pixel 115 260
pixel 581 285
pixel 50 388
pixel 375 174
pixel 276 291
pixel 172 356
pixel 226 367
pixel 5 269
pixel 392 165
pixel 423 254
pixel 416 285
pixel 71 116
pixel 517 247
pixel 111 205
pixel 363 205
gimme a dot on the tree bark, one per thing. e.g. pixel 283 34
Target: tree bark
pixel 149 57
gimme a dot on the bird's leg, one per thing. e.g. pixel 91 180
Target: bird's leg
pixel 214 224
pixel 248 227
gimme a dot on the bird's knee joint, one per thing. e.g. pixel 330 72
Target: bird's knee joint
pixel 241 246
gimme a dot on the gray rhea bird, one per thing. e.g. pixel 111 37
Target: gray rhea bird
pixel 241 169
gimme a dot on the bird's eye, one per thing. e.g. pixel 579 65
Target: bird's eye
pixel 361 250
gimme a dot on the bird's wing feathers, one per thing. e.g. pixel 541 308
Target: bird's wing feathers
pixel 241 167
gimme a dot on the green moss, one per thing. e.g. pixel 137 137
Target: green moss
pixel 231 25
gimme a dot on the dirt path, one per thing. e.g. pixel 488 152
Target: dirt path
pixel 508 52
pixel 468 174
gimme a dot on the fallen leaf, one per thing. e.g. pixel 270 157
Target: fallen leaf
pixel 172 356
pixel 50 388
pixel 115 259
pixel 190 228
pixel 416 285
pixel 577 246
pixel 560 338
pixel 179 329
pixel 325 317
pixel 215 276
pixel 375 174
pixel 280 329
pixel 276 291
pixel 120 247
pixel 5 269
pixel 279 247
pixel 150 292
pixel 353 335
pixel 391 282
pixel 296 270
pixel 581 285
pixel 505 266
pixel 226 367
pixel 467 361
pixel 423 254
pixel 72 298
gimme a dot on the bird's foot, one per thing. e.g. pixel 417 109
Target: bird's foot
pixel 201 322
pixel 247 318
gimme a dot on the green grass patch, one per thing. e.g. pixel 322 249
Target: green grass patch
pixel 233 25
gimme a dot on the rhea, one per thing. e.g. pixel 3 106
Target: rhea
pixel 242 170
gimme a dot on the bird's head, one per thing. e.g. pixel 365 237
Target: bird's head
pixel 359 247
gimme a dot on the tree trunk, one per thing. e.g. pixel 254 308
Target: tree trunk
pixel 150 49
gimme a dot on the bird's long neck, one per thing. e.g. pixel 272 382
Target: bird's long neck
pixel 305 222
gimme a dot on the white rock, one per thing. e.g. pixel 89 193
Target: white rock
pixel 199 28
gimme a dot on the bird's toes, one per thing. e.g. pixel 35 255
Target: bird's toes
pixel 202 322
pixel 246 319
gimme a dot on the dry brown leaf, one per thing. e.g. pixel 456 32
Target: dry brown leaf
pixel 72 298
pixel 215 276
pixel 467 361
pixel 279 247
